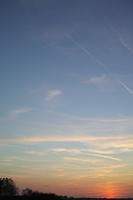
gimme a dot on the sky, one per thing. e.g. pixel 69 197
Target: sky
pixel 66 96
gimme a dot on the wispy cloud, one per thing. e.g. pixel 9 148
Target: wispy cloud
pixel 52 94
pixel 84 152
pixel 96 80
pixel 106 157
pixel 81 159
pixel 115 166
pixel 97 151
pixel 15 113
pixel 19 111
pixel 35 153
pixel 101 151
pixel 59 175
pixel 75 151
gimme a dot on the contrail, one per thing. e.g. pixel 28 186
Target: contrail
pixel 125 45
pixel 87 52
pixel 126 87
pixel 122 41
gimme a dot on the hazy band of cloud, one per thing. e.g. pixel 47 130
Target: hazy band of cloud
pixel 55 139
pixel 96 120
pixel 100 142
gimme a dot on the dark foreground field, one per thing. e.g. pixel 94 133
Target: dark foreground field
pixel 51 197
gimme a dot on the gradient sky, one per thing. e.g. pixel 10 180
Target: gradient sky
pixel 66 85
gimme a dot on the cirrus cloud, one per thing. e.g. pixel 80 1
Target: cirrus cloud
pixel 96 80
pixel 52 94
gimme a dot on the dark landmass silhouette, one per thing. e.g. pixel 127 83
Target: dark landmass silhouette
pixel 9 191
pixel 54 197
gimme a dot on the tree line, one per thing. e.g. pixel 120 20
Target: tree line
pixel 8 189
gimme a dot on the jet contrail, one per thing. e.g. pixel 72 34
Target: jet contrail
pixel 121 40
pixel 87 52
pixel 125 45
pixel 126 87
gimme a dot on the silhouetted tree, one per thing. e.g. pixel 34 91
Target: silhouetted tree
pixel 27 192
pixel 7 187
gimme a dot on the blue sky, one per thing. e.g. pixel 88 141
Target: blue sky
pixel 66 95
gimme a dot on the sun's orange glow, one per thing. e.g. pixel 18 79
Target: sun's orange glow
pixel 110 192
